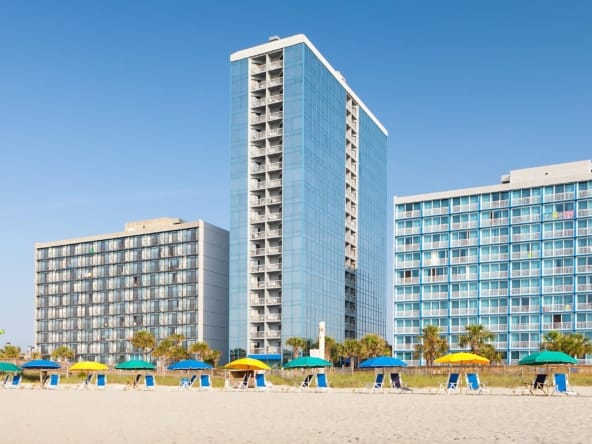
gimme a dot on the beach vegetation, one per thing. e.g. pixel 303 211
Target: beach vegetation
pixel 431 345
pixel 145 341
pixel 331 349
pixel 350 349
pixel 373 345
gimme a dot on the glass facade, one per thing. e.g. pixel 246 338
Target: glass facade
pixel 514 260
pixel 299 243
pixel 93 294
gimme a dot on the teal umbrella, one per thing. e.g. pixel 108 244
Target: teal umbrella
pixel 546 357
pixel 135 364
pixel 307 362
pixel 8 367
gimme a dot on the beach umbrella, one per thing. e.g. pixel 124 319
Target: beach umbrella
pixel 135 364
pixel 383 362
pixel 189 364
pixel 547 357
pixel 41 364
pixel 462 358
pixel 247 364
pixel 307 362
pixel 88 366
pixel 9 367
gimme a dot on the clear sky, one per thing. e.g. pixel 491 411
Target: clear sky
pixel 114 111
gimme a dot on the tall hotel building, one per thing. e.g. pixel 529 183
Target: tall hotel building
pixel 514 257
pixel 308 236
pixel 166 276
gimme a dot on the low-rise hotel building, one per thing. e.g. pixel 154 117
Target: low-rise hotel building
pixel 514 257
pixel 166 276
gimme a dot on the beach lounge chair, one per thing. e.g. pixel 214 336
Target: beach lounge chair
pixel 15 382
pixel 322 383
pixel 86 383
pixel 5 380
pixel 101 381
pixel 149 382
pixel 205 383
pixel 474 384
pixel 452 385
pixel 54 382
pixel 244 383
pixel 305 384
pixel 397 383
pixel 261 383
pixel 561 385
pixel 539 383
pixel 378 383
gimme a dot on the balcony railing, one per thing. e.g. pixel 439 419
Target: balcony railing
pixel 526 326
pixel 494 310
pixel 525 308
pixel 525 290
pixel 557 325
pixel 407 214
pixel 443 312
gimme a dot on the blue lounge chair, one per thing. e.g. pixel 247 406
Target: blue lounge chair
pixel 101 381
pixel 378 383
pixel 260 383
pixel 322 383
pixel 54 382
pixel 397 383
pixel 561 385
pixel 187 383
pixel 205 383
pixel 539 384
pixel 149 382
pixel 15 382
pixel 452 385
pixel 474 384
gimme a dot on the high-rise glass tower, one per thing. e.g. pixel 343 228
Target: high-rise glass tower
pixel 308 225
pixel 514 257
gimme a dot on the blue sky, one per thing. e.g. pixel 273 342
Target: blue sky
pixel 113 111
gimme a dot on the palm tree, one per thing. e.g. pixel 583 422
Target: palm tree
pixel 170 349
pixel 372 346
pixel 574 344
pixel 475 338
pixel 144 340
pixel 430 344
pixel 351 349
pixel 62 353
pixel 297 344
pixel 200 350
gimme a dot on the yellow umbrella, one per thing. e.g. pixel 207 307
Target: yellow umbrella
pixel 247 364
pixel 88 366
pixel 462 358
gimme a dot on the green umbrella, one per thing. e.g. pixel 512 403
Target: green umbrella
pixel 135 364
pixel 8 367
pixel 307 362
pixel 547 357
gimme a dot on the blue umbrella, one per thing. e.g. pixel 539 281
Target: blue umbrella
pixel 41 364
pixel 189 364
pixel 382 362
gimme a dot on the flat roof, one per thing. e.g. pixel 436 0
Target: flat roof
pixel 517 179
pixel 135 228
pixel 274 45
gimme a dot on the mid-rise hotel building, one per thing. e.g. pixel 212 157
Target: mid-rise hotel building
pixel 166 276
pixel 308 236
pixel 514 257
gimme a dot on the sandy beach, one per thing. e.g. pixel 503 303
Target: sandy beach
pixel 168 415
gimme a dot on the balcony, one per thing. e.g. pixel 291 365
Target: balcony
pixel 433 228
pixel 557 325
pixel 494 222
pixel 463 259
pixel 494 257
pixel 435 211
pixel 257 268
pixel 463 225
pixel 435 245
pixel 274 250
pixel 274 267
pixel 406 231
pixel 407 280
pixel 407 247
pixel 464 208
pixel 525 308
pixel 407 330
pixel 583 306
pixel 555 197
pixel 463 311
pixel 526 200
pixel 273 317
pixel 493 292
pixel 277 98
pixel 525 273
pixel 494 240
pixel 526 219
pixel 525 344
pixel 586 325
pixel 494 275
pixel 525 290
pixel 443 312
pixel 254 300
pixel 463 242
pixel 494 310
pixel 410 264
pixel 494 204
pixel 557 270
pixel 431 279
pixel 525 237
pixel 274 183
pixel 525 327
pixel 406 314
pixel 273 301
pixel 435 295
pixel 274 233
pixel 407 214
pixel 584 287
pixel 558 289
pixel 557 307
pixel 405 347
pixel 256 317
pixel 463 277
pixel 463 294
